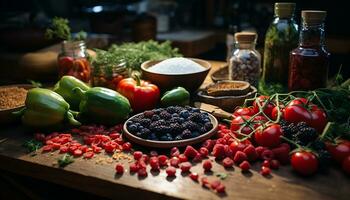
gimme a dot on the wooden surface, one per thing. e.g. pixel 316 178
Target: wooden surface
pixel 100 179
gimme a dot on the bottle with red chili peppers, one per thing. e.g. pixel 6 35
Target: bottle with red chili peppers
pixel 73 61
pixel 308 64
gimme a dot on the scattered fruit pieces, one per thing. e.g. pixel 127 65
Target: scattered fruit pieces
pixel 207 165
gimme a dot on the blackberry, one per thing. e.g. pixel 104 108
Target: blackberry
pixel 166 137
pixel 174 115
pixel 132 128
pixel 181 120
pixel 289 130
pixel 152 136
pixel 155 125
pixel 145 122
pixel 208 126
pixel 306 135
pixel 318 145
pixel 301 125
pixel 202 129
pixel 155 117
pixel 140 127
pixel 185 114
pixel 190 125
pixel 148 113
pixel 176 128
pixel 195 117
pixel 196 110
pixel 186 134
pixel 165 115
pixel 174 120
pixel 171 109
pixel 283 123
pixel 145 132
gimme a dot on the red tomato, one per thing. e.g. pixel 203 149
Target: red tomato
pixel 248 111
pixel 346 165
pixel 142 94
pixel 274 112
pixel 263 102
pixel 269 137
pixel 236 124
pixel 304 162
pixel 339 151
pixel 65 64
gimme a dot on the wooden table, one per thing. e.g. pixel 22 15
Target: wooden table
pixel 101 180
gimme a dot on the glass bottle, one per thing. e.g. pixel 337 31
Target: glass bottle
pixel 244 64
pixel 73 60
pixel 308 68
pixel 281 37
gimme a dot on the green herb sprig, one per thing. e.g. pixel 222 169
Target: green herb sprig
pixel 65 160
pixel 32 145
pixel 60 29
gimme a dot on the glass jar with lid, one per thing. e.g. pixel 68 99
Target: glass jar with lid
pixel 244 64
pixel 281 37
pixel 109 75
pixel 73 61
pixel 308 65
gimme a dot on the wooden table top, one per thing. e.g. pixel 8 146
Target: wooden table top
pixel 100 178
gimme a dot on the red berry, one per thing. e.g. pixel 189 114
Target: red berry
pixel 174 162
pixel 227 162
pixel 267 154
pixel 209 144
pixel 220 189
pixel 237 146
pixel 194 176
pixel 77 153
pixel 197 158
pixel 88 154
pixel 205 182
pixel 207 165
pixel 134 167
pixel 171 171
pixel 215 184
pixel 259 151
pixel 154 163
pixel 144 158
pixel 47 148
pixel 228 151
pixel 182 158
pixel 142 172
pixel 219 151
pixel 251 152
pixel 274 164
pixel 185 166
pixel 114 135
pixel 266 163
pixel 190 152
pixel 63 149
pixel 137 155
pixel 221 141
pixel 174 152
pixel 281 153
pixel 119 168
pixel 163 160
pixel 126 146
pixel 239 157
pixel 245 166
pixel 204 152
pixel 265 171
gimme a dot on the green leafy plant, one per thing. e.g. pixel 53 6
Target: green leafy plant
pixel 32 145
pixel 65 160
pixel 60 29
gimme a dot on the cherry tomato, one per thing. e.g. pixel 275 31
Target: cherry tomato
pixel 263 102
pixel 248 111
pixel 339 151
pixel 269 137
pixel 304 162
pixel 346 165
pixel 237 122
pixel 65 64
pixel 274 112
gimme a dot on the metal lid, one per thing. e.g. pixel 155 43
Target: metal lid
pixel 245 37
pixel 284 10
pixel 313 17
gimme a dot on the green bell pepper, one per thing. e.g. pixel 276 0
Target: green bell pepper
pixel 177 96
pixel 103 106
pixel 45 108
pixel 64 88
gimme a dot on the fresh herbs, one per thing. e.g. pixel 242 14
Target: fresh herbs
pixel 32 145
pixel 222 176
pixel 60 29
pixel 269 89
pixel 132 55
pixel 65 160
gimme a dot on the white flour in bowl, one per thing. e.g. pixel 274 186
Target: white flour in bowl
pixel 176 66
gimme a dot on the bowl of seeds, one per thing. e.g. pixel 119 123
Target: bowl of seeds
pixel 12 99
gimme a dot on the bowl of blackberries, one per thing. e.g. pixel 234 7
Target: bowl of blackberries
pixel 170 127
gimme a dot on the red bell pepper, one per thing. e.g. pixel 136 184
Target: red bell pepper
pixel 141 94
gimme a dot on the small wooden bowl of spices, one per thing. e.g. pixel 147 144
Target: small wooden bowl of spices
pixel 12 99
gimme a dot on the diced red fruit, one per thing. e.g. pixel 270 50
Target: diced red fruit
pixel 163 160
pixel 239 157
pixel 89 154
pixel 194 176
pixel 137 155
pixel 47 148
pixel 214 184
pixel 209 144
pixel 245 166
pixel 274 164
pixel 174 161
pixel 265 171
pixel 205 182
pixel 197 158
pixel 228 151
pixel 153 153
pixel 190 152
pixel 221 141
pixel 204 152
pixel 221 188
pixel 126 146
pixel 219 151
pixel 182 158
pixel 63 149
pixel 281 153
pixel 119 169
pixel 185 166
pixel 237 146
pixel 77 153
pixel 142 172
pixel 114 135
pixel 266 163
pixel 267 154
pixel 251 152
pixel 145 158
pixel 154 163
pixel 207 165
pixel 171 171
pixel 259 151
pixel 96 149
pixel 174 152
pixel 227 162
pixel 134 167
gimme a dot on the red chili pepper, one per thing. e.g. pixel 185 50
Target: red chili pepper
pixel 142 94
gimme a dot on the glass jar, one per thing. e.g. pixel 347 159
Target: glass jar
pixel 308 68
pixel 244 64
pixel 73 61
pixel 281 37
pixel 109 76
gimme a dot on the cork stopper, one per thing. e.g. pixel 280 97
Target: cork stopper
pixel 284 10
pixel 313 17
pixel 245 37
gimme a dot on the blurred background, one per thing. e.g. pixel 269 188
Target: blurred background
pixel 199 28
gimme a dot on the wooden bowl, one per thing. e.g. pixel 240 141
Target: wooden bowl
pixel 220 74
pixel 228 88
pixel 6 116
pixel 170 144
pixel 190 81
pixel 227 103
